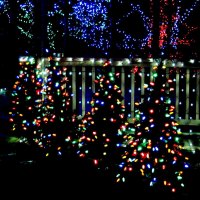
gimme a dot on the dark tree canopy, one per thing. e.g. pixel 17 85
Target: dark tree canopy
pixel 8 55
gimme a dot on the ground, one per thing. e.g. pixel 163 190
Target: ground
pixel 25 176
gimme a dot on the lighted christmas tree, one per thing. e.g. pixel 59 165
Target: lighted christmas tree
pixel 100 133
pixel 22 99
pixel 41 113
pixel 156 150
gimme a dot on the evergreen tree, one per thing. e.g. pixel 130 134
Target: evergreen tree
pixel 54 115
pixel 100 132
pixel 156 150
pixel 41 112
pixel 22 99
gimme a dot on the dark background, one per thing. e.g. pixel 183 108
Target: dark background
pixel 8 53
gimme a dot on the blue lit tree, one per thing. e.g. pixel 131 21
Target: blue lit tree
pixel 89 22
pixel 99 26
pixel 133 39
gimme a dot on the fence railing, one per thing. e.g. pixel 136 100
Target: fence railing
pixel 132 77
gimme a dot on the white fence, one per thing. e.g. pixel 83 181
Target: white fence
pixel 133 74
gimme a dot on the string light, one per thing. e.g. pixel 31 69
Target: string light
pixel 91 22
pixel 156 135
pixel 34 114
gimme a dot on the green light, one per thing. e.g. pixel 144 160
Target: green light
pixel 110 74
pixel 155 75
pixel 28 98
pixel 161 160
pixel 179 177
pixel 139 148
pixel 177 139
pixel 137 116
pixel 168 101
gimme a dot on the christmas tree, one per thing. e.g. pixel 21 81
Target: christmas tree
pixel 156 151
pixel 41 114
pixel 100 132
pixel 22 99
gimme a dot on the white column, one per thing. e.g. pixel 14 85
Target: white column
pixel 187 93
pixel 74 87
pixel 123 81
pixel 177 95
pixel 197 96
pixel 132 95
pixel 83 90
